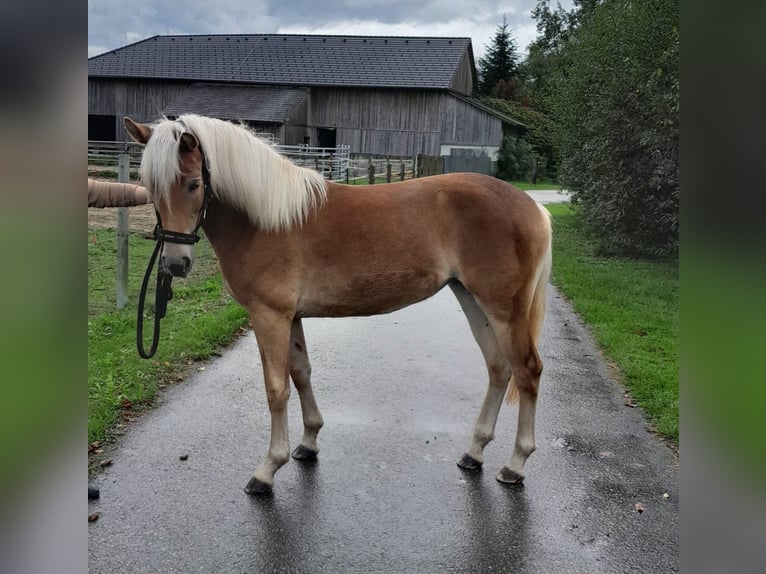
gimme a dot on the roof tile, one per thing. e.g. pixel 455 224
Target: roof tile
pixel 289 59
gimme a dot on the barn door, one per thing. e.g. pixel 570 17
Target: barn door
pixel 326 137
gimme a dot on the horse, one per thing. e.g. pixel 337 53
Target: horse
pixel 292 245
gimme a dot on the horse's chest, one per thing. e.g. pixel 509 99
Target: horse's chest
pixel 231 292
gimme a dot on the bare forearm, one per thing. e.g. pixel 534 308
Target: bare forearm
pixel 110 194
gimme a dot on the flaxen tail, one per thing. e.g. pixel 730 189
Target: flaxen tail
pixel 537 305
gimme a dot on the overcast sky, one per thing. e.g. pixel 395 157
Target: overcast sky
pixel 115 23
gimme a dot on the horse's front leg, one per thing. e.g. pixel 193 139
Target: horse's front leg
pixel 300 371
pixel 272 331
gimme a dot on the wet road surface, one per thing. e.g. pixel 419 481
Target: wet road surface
pixel 399 394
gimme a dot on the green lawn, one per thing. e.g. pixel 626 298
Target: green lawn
pixel 632 308
pixel 526 185
pixel 201 318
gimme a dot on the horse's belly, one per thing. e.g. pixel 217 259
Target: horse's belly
pixel 369 294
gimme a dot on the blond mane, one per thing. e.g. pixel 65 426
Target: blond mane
pixel 245 172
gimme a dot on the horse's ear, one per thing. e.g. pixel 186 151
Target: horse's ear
pixel 139 132
pixel 188 142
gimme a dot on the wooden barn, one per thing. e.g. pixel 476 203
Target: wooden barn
pixel 392 96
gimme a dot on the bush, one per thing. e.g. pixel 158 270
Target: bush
pixel 541 133
pixel 515 159
pixel 617 108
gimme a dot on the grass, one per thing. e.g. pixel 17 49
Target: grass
pixel 201 318
pixel 632 308
pixel 527 186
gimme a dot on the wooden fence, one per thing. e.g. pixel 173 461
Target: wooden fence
pixel 335 164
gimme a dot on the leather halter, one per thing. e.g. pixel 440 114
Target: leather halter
pixel 163 292
pixel 162 235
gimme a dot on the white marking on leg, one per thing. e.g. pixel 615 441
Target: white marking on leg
pixel 300 371
pixel 272 331
pixel 525 433
pixel 497 367
pixel 279 448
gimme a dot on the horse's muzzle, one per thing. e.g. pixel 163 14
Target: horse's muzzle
pixel 179 266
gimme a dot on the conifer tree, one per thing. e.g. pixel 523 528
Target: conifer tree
pixel 500 63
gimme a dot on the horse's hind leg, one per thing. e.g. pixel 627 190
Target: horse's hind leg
pixel 300 371
pixel 499 372
pixel 518 342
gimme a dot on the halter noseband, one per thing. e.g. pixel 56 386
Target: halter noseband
pixel 163 292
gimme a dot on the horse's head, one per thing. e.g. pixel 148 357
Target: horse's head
pixel 171 169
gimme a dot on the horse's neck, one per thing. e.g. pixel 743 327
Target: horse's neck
pixel 225 227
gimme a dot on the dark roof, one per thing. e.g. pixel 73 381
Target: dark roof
pixel 289 59
pixel 237 102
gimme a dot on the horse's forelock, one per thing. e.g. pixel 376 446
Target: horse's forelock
pixel 159 164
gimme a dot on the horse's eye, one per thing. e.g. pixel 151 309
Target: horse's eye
pixel 193 186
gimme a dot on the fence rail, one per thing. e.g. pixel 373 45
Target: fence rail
pixel 332 163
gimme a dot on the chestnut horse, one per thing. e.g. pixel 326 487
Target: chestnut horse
pixel 292 245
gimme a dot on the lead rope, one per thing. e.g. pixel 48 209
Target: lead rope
pixel 163 293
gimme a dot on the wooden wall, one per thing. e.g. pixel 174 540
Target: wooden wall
pixel 142 100
pixel 462 123
pixel 383 122
pixel 462 80
pixel 396 123
pixel 401 123
pixel 296 125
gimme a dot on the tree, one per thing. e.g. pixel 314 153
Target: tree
pixel 617 109
pixel 500 63
pixel 545 53
pixel 540 133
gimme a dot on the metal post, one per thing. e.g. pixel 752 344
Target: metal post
pixel 123 228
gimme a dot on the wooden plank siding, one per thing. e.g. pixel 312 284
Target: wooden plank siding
pixel 401 123
pixel 464 124
pixel 463 78
pixel 388 122
pixel 396 123
pixel 142 100
pixel 391 143
pixel 296 127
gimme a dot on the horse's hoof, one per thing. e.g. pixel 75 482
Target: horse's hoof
pixel 256 486
pixel 468 462
pixel 93 491
pixel 508 476
pixel 303 453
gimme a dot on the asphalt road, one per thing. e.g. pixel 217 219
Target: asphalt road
pixel 399 394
